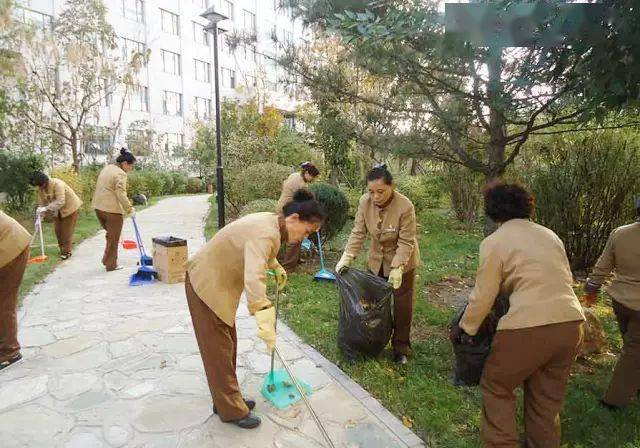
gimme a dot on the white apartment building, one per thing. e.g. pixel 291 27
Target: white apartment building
pixel 176 87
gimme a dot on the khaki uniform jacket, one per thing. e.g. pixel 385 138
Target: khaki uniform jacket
pixel 527 262
pixel 111 191
pixel 291 184
pixel 59 198
pixel 14 239
pixel 236 259
pixel 621 255
pixel 393 234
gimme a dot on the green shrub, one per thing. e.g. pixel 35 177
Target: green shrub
pixel 260 205
pixel 195 185
pixel 258 181
pixel 336 205
pixel 155 183
pixel 353 196
pixel 423 191
pixel 137 184
pixel 88 178
pixel 15 172
pixel 179 182
pixel 167 182
pixel 584 187
pixel 463 187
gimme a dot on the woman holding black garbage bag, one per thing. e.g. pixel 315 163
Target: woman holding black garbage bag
pixel 390 218
pixel 538 339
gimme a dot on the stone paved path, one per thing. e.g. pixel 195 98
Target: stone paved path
pixel 108 365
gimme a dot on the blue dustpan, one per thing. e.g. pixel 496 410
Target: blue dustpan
pixel 306 244
pixel 279 389
pixel 323 273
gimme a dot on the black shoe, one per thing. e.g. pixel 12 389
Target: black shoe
pixel 251 404
pixel 610 407
pixel 10 362
pixel 401 359
pixel 249 422
pixel 65 256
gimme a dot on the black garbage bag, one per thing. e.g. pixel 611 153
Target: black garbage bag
pixel 471 352
pixel 366 322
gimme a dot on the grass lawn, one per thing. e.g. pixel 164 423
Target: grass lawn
pixel 86 227
pixel 422 394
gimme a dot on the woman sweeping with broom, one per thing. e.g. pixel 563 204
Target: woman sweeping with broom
pixel 111 203
pixel 236 259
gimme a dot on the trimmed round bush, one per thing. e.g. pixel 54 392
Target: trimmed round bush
pixel 137 184
pixel 195 185
pixel 258 181
pixel 167 180
pixel 179 182
pixel 336 205
pixel 260 205
pixel 155 183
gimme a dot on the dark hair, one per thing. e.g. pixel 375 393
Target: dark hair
pixel 380 171
pixel 310 168
pixel 38 179
pixel 306 206
pixel 126 156
pixel 503 202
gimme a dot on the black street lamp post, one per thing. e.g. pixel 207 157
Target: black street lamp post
pixel 215 17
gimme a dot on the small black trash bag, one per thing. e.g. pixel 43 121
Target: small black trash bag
pixel 365 323
pixel 471 352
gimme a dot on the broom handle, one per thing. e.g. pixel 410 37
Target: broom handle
pixel 304 398
pixel 320 250
pixel 275 326
pixel 41 237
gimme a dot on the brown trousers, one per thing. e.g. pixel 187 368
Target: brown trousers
pixel 403 303
pixel 291 256
pixel 218 345
pixel 10 279
pixel 112 223
pixel 625 382
pixel 540 359
pixel 64 228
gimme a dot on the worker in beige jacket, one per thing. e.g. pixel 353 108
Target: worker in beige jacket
pixel 390 219
pixel 621 256
pixel 14 253
pixel 538 339
pixel 296 181
pixel 236 259
pixel 57 198
pixel 111 203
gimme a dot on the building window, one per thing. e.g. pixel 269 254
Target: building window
pixel 204 4
pixel 224 45
pixel 251 81
pixel 133 9
pixel 203 71
pixel 42 21
pixel 173 141
pixel 171 62
pixel 202 108
pixel 138 99
pixel 227 9
pixel 249 21
pixel 96 141
pixel 254 53
pixel 200 35
pixel 172 103
pixel 130 48
pixel 228 78
pixel 170 22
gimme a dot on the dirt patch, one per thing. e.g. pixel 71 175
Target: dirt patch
pixel 449 292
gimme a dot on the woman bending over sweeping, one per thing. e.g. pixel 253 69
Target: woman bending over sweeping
pixel 57 198
pixel 14 253
pixel 390 219
pixel 296 181
pixel 111 203
pixel 236 259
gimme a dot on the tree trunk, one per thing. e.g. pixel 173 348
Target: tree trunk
pixel 73 141
pixel 414 167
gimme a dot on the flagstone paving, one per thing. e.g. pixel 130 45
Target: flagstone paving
pixel 108 365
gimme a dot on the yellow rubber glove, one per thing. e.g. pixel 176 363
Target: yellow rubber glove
pixel 266 321
pixel 345 261
pixel 281 276
pixel 395 277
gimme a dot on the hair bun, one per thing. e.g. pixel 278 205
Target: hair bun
pixel 123 151
pixel 302 195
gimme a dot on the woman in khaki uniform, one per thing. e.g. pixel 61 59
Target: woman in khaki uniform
pixel 57 198
pixel 14 253
pixel 111 203
pixel 390 219
pixel 293 183
pixel 236 259
pixel 538 339
pixel 621 255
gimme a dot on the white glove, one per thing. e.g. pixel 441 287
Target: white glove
pixel 344 262
pixel 42 210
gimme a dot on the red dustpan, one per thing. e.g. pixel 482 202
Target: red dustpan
pixel 128 244
pixel 38 229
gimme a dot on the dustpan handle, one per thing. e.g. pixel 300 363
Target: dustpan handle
pixel 138 237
